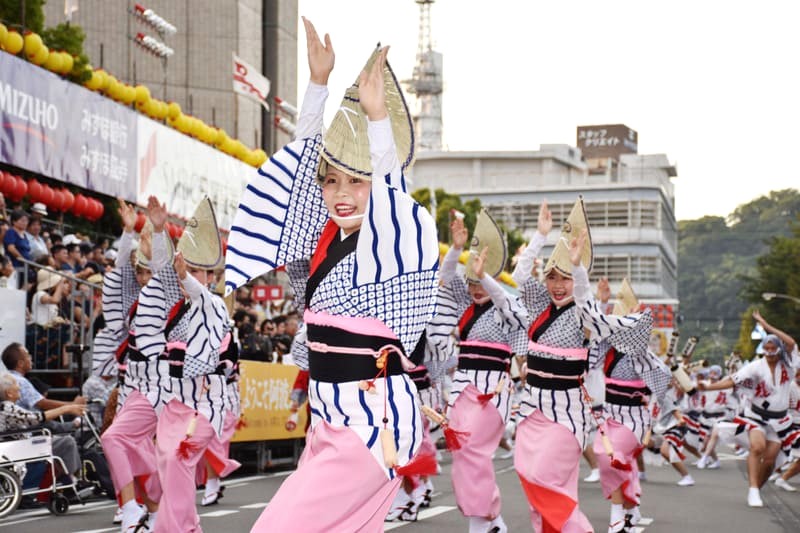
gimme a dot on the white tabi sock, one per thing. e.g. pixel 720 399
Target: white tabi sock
pixel 617 513
pixel 478 524
pixel 131 513
pixel 212 486
pixel 499 523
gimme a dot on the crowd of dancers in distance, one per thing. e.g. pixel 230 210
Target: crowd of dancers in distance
pixel 385 320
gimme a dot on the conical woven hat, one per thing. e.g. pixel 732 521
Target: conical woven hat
pixel 141 260
pixel 200 243
pixel 487 233
pixel 576 222
pixel 626 300
pixel 345 144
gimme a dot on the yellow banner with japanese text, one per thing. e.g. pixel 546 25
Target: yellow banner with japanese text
pixel 265 389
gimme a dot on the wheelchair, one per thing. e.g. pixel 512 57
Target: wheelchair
pixel 28 468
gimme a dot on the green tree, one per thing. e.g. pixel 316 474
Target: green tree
pixel 718 263
pixel 11 13
pixel 69 38
pixel 745 345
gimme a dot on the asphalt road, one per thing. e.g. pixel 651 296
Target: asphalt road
pixel 717 503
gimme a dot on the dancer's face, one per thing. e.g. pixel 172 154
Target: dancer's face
pixel 560 287
pixel 346 198
pixel 478 293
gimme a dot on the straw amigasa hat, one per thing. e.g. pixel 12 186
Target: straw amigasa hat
pixel 487 233
pixel 626 300
pixel 576 222
pixel 200 244
pixel 345 145
pixel 144 262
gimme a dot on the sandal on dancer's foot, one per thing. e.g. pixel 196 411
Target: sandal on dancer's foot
pixel 213 498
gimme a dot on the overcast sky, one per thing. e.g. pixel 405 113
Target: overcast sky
pixel 712 84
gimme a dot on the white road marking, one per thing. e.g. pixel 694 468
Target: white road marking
pixel 254 505
pixel 645 521
pixel 427 513
pixel 216 514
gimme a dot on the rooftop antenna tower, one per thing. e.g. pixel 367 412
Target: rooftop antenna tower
pixel 426 85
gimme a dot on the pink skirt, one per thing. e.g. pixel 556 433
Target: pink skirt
pixel 177 510
pixel 338 486
pixel 216 455
pixel 547 458
pixel 624 473
pixel 473 476
pixel 129 448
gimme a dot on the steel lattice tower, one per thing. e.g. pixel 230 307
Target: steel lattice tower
pixel 426 85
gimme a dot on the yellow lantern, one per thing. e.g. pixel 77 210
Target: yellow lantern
pixel 33 43
pixel 128 94
pixel 54 62
pixel 220 136
pixel 14 42
pixel 142 94
pixel 3 34
pixel 105 79
pixel 163 109
pixel 67 62
pixel 174 110
pixel 258 157
pixel 40 56
pixel 93 83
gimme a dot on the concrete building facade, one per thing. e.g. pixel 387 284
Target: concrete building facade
pixel 629 201
pixel 199 74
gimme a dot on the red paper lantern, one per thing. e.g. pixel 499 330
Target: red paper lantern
pixel 21 189
pixel 47 195
pixel 95 209
pixel 35 191
pixel 4 179
pixel 90 209
pixel 80 205
pixel 58 201
pixel 141 219
pixel 69 200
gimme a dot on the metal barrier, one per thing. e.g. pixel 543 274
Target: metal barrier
pixel 57 346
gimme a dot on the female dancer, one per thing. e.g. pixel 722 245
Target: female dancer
pixel 363 257
pixel 490 325
pixel 556 414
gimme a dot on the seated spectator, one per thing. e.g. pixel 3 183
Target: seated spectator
pixel 51 331
pixel 281 341
pixel 15 242
pixel 61 257
pixel 18 362
pixel 13 417
pixel 8 276
pixel 37 243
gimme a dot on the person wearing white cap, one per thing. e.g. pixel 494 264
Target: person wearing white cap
pixel 363 259
pixel 766 419
pixel 39 209
pixel 555 406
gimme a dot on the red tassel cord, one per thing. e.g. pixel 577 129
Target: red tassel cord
pixel 485 398
pixel 241 423
pixel 454 439
pixel 420 465
pixel 187 448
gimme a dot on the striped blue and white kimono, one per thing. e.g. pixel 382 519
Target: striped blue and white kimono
pixel 502 324
pixel 120 291
pixel 627 364
pixel 202 329
pixel 388 281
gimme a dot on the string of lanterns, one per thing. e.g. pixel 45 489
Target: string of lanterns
pixel 59 62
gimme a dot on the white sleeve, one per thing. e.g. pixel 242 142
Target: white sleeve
pixel 449 264
pixel 309 121
pixel 207 327
pixel 589 313
pixel 125 248
pixel 522 272
pixel 159 252
pixel 511 309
